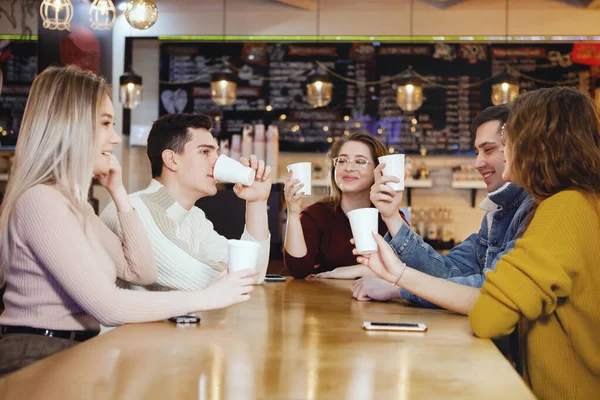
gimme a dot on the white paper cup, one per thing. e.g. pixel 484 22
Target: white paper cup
pixel 227 170
pixel 243 254
pixel 303 172
pixel 363 222
pixel 394 166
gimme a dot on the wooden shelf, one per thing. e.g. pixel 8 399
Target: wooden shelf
pixel 418 183
pixel 471 185
pixel 409 184
pixel 315 182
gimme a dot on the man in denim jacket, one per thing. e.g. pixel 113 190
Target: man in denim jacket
pixel 506 206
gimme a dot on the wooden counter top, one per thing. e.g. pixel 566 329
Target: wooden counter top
pixel 293 340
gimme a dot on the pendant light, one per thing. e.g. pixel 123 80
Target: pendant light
pixel 130 90
pixel 141 14
pixel 102 15
pixel 409 88
pixel 505 88
pixel 223 85
pixel 409 92
pixel 223 88
pixel 56 14
pixel 319 90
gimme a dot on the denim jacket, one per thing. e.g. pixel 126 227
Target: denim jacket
pixel 466 264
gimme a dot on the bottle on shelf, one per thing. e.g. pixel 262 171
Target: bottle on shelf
pixel 432 229
pixel 440 222
pixel 247 142
pixel 422 224
pixel 224 146
pixel 259 141
pixel 273 149
pixel 236 147
pixel 448 231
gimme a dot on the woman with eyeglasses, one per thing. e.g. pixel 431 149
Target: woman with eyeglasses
pixel 317 240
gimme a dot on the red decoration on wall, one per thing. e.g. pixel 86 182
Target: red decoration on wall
pixel 586 53
pixel 81 47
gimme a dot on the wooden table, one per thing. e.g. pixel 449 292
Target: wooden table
pixel 293 340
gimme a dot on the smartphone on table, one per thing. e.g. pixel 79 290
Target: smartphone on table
pixel 274 278
pixel 394 326
pixel 185 320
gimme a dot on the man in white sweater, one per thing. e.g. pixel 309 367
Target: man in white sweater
pixel 189 253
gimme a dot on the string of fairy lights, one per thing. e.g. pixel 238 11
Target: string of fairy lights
pixel 408 83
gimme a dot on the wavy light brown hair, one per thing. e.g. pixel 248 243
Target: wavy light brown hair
pixel 554 138
pixel 377 148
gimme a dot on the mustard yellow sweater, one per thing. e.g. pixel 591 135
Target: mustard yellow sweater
pixel 549 285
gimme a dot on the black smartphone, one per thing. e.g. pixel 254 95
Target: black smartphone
pixel 274 278
pixel 185 319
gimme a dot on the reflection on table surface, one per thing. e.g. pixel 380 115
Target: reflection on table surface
pixel 292 340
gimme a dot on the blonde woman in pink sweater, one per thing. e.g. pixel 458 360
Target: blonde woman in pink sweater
pixel 59 261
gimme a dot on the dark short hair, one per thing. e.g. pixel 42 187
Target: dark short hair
pixel 493 113
pixel 171 132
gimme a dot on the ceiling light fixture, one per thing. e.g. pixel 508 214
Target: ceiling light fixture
pixel 56 14
pixel 141 14
pixel 102 15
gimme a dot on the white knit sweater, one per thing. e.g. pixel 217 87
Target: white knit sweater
pixel 188 251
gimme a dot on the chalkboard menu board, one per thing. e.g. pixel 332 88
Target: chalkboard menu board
pixel 272 88
pixel 19 67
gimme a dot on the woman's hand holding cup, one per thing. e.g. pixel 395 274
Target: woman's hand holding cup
pixel 293 192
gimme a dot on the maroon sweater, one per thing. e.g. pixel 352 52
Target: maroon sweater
pixel 327 234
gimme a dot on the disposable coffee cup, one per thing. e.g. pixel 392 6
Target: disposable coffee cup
pixel 227 170
pixel 243 254
pixel 394 166
pixel 363 222
pixel 303 172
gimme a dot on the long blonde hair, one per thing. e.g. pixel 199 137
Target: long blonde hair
pixel 56 143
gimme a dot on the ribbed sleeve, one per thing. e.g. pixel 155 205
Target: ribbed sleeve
pixel 63 271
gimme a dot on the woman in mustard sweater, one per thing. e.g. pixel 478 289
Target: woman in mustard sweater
pixel 549 285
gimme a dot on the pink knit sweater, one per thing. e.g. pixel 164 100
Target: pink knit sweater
pixel 62 275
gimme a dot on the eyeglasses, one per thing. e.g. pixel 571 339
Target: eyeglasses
pixel 343 162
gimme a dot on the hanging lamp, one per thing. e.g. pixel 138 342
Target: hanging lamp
pixel 505 88
pixel 409 88
pixel 141 14
pixel 409 92
pixel 102 15
pixel 223 88
pixel 130 90
pixel 319 90
pixel 56 14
